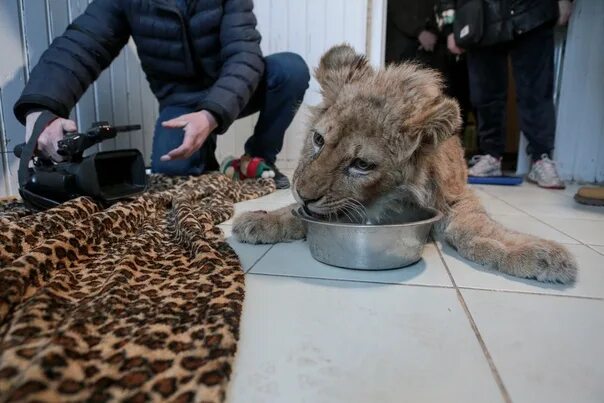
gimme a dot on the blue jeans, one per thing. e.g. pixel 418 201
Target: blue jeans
pixel 277 98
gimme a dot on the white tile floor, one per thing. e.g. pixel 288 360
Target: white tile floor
pixel 443 330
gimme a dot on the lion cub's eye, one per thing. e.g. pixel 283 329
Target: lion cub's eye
pixel 318 140
pixel 360 166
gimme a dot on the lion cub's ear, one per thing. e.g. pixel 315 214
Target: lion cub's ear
pixel 428 126
pixel 339 66
pixel 436 122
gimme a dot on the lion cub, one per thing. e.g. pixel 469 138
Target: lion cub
pixel 385 138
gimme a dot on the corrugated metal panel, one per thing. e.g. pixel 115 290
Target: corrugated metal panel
pixel 13 68
pixel 4 189
pixel 121 95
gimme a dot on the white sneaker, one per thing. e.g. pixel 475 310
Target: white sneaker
pixel 545 174
pixel 485 165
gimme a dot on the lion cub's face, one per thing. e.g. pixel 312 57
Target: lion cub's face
pixel 371 132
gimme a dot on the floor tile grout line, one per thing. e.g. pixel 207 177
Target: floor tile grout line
pixel 446 287
pixel 259 259
pixel 511 204
pixel 498 380
pixel 497 198
pixel 540 294
pixel 594 249
pixel 541 221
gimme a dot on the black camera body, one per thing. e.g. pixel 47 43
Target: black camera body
pixel 106 176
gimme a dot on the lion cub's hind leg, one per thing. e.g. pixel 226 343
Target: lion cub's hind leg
pixel 479 238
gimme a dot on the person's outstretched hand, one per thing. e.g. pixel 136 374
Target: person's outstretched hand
pixel 565 9
pixel 452 46
pixel 48 140
pixel 197 127
pixel 427 40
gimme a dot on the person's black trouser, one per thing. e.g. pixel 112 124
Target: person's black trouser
pixel 532 56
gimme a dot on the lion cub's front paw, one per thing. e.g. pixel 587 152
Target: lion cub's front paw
pixel 545 261
pixel 254 227
pixel 260 227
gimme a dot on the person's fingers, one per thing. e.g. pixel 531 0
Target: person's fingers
pixel 198 143
pixel 44 145
pixel 48 143
pixel 201 138
pixel 68 125
pixel 46 139
pixel 48 149
pixel 175 123
pixel 197 140
pixel 185 150
pixel 180 153
pixel 55 156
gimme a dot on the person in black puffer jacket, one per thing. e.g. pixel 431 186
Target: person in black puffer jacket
pixel 203 63
pixel 523 30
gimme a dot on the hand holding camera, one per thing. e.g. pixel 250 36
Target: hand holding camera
pixel 107 176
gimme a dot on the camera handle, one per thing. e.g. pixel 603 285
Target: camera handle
pixel 25 151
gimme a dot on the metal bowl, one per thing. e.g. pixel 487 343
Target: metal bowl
pixel 396 242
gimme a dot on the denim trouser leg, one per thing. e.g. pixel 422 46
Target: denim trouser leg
pixel 277 98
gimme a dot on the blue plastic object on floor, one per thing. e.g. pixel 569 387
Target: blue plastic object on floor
pixel 495 180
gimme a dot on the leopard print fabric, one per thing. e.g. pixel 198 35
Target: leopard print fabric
pixel 137 302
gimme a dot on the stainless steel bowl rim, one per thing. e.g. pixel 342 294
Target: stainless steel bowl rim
pixel 437 217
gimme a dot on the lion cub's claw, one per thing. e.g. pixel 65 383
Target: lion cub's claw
pixel 253 227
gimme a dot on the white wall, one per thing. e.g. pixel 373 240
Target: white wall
pixel 309 28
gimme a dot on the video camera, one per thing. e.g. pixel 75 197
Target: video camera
pixel 106 176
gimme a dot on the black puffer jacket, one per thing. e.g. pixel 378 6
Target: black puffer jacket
pixel 210 58
pixel 410 17
pixel 505 19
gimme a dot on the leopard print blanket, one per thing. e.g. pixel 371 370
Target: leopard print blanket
pixel 137 302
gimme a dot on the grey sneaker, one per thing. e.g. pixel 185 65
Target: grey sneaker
pixel 545 174
pixel 281 181
pixel 485 165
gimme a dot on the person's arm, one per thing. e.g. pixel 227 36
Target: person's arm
pixel 75 59
pixel 243 64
